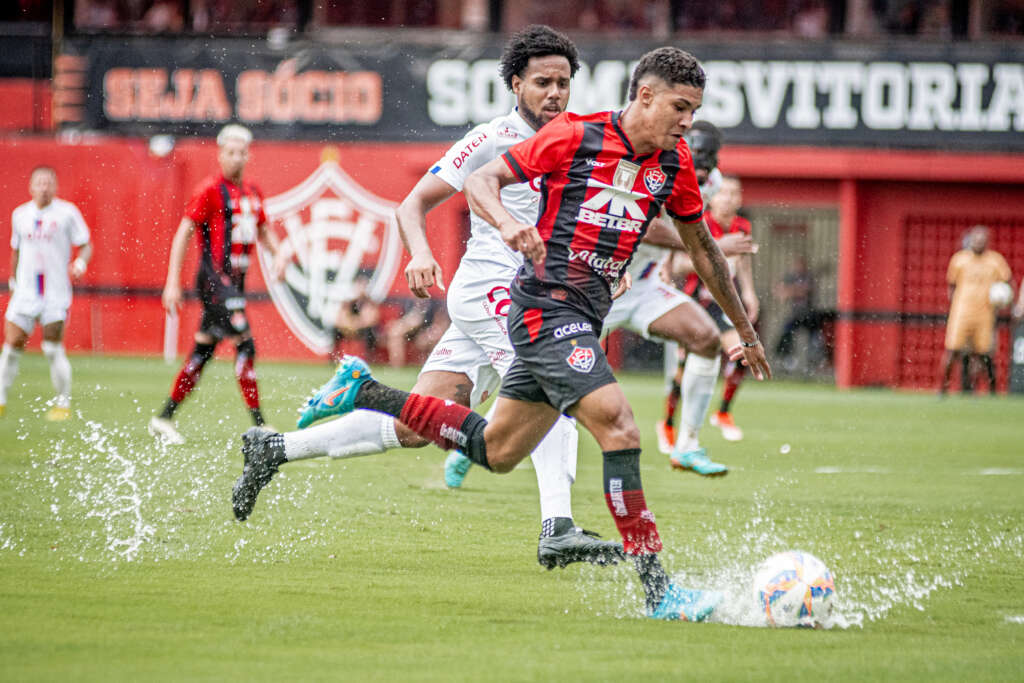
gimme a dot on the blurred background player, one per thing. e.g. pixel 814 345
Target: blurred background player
pixel 970 327
pixel 421 327
pixel 795 291
pixel 228 212
pixel 357 318
pixel 472 357
pixel 43 232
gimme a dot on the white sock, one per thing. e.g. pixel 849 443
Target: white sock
pixel 699 379
pixel 9 359
pixel 552 463
pixel 60 371
pixel 363 432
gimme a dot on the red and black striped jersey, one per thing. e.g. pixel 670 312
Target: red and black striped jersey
pixel 693 285
pixel 597 198
pixel 227 218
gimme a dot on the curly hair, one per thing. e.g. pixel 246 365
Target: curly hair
pixel 671 65
pixel 535 41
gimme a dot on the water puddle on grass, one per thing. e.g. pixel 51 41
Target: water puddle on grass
pixel 878 570
pixel 113 494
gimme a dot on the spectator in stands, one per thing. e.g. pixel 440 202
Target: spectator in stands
pixel 796 292
pixel 970 326
pixel 422 325
pixel 358 318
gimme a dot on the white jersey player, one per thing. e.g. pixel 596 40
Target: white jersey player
pixel 43 233
pixel 469 361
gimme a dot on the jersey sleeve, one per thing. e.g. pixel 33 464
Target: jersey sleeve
pixel 465 156
pixel 545 151
pixel 199 207
pixel 741 224
pixel 685 204
pixel 79 230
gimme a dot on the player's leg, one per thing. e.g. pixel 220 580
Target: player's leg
pixel 60 368
pixel 608 416
pixel 955 342
pixel 692 327
pixel 984 341
pixel 205 342
pixel 675 358
pixel 245 374
pixel 15 337
pixel 734 374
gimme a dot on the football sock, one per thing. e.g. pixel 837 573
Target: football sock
pixel 188 377
pixel 257 417
pixel 245 372
pixel 9 359
pixel 733 378
pixel 966 386
pixel 445 423
pixel 991 371
pixel 624 495
pixel 363 432
pixel 556 526
pixel 672 401
pixel 554 483
pixel 60 371
pixel 653 578
pixel 698 386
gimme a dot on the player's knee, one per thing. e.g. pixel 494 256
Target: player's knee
pixel 246 347
pixel 502 461
pixel 707 343
pixel 202 352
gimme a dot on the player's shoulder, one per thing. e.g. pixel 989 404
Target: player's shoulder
pixel 207 184
pixel 250 187
pixel 22 208
pixel 64 205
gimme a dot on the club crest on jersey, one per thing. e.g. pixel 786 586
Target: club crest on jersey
pixel 581 359
pixel 625 175
pixel 654 179
pixel 335 230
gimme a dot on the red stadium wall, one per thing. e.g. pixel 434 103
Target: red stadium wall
pixel 901 214
pixel 133 201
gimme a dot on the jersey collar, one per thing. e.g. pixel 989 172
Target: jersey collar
pixel 520 124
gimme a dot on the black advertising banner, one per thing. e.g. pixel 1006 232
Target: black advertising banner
pixel 957 96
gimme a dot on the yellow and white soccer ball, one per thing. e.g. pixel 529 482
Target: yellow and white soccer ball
pixel 1000 294
pixel 794 588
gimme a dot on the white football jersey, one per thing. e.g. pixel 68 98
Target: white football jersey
pixel 43 238
pixel 648 258
pixel 481 145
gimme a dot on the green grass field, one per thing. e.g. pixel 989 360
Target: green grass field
pixel 120 560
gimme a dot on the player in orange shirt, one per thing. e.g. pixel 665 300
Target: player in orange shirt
pixel 971 322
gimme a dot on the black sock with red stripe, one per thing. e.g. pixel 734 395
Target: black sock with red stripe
pixel 624 495
pixel 445 423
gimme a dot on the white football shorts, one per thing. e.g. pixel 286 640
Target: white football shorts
pixel 476 343
pixel 645 302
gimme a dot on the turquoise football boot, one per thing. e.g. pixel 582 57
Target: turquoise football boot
pixel 338 396
pixel 685 604
pixel 698 461
pixel 456 465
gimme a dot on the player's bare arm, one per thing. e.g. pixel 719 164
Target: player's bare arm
pixel 172 288
pixel 710 264
pixel 423 271
pixel 14 270
pixel 269 241
pixel 745 274
pixel 483 193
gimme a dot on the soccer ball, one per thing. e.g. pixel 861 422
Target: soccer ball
pixel 1000 294
pixel 794 589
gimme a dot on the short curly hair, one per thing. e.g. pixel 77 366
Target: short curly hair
pixel 671 65
pixel 535 41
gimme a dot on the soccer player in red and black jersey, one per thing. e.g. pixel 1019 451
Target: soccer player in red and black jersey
pixel 603 177
pixel 722 219
pixel 226 214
